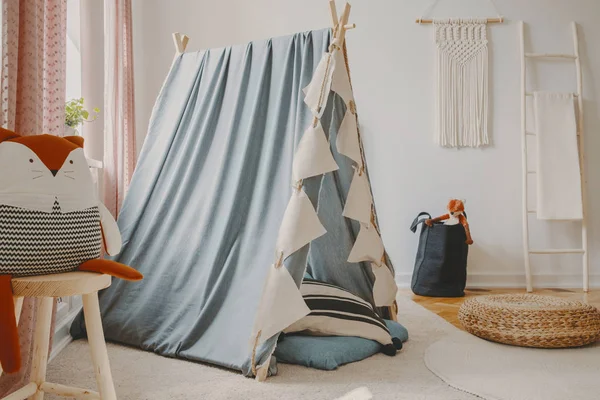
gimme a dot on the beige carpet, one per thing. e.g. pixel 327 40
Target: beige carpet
pixel 141 375
pixel 497 372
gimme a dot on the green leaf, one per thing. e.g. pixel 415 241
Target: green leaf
pixel 76 114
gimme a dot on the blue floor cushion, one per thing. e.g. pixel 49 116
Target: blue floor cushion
pixel 329 352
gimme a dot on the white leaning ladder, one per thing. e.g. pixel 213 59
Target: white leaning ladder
pixel 526 173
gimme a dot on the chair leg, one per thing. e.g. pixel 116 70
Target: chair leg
pixel 41 344
pixel 18 308
pixel 93 323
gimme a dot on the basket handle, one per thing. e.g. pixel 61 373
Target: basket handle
pixel 417 221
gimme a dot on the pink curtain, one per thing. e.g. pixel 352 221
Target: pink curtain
pixel 34 63
pixel 119 115
pixel 32 101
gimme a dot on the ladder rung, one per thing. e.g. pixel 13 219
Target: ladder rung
pixel 531 211
pixel 557 251
pixel 531 94
pixel 531 172
pixel 533 133
pixel 550 55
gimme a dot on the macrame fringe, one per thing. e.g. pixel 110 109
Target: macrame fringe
pixel 462 83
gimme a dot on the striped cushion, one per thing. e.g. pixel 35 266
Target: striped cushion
pixel 337 312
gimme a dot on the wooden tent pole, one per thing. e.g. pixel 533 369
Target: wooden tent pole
pixel 334 16
pixel 339 39
pixel 180 42
pixel 341 24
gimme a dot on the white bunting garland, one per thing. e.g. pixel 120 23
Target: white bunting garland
pixel 313 156
pixel 359 200
pixel 385 287
pixel 300 225
pixel 368 245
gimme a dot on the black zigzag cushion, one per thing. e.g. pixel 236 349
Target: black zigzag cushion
pixel 39 243
pixel 337 312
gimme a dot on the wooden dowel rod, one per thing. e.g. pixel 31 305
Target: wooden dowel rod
pixel 184 41
pixel 531 94
pixel 349 26
pixel 556 251
pixel 489 21
pixel 339 40
pixel 549 55
pixel 180 42
pixel 177 42
pixel 68 391
pixel 332 8
pixel 23 393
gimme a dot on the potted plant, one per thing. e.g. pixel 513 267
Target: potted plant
pixel 76 114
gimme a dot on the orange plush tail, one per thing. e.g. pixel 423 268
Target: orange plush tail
pixel 10 352
pixel 111 268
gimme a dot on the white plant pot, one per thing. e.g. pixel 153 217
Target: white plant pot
pixel 69 131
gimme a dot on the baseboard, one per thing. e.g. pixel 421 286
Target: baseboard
pixel 515 281
pixel 62 337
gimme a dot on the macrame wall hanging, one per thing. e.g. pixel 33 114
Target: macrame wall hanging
pixel 461 104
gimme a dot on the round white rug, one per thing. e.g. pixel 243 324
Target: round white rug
pixel 500 372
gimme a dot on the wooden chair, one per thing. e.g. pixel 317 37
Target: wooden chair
pixel 62 285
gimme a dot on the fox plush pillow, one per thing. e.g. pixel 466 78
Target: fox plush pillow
pixel 51 221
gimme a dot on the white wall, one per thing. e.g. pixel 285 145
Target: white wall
pixel 392 67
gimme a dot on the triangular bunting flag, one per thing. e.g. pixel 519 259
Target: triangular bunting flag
pixel 340 82
pixel 347 138
pixel 317 91
pixel 313 156
pixel 359 200
pixel 385 288
pixel 281 305
pixel 368 245
pixel 300 225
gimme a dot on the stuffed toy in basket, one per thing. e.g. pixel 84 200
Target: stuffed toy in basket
pixel 441 260
pixel 51 221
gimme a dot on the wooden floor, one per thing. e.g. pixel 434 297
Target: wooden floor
pixel 447 307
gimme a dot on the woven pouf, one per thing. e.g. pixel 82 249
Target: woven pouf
pixel 531 320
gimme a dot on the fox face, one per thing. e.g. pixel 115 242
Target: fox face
pixel 456 207
pixel 36 171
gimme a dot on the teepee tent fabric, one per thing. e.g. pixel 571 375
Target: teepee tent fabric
pixel 297 224
pixel 216 218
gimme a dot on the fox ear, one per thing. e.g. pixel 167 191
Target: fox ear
pixel 464 201
pixel 77 140
pixel 5 134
